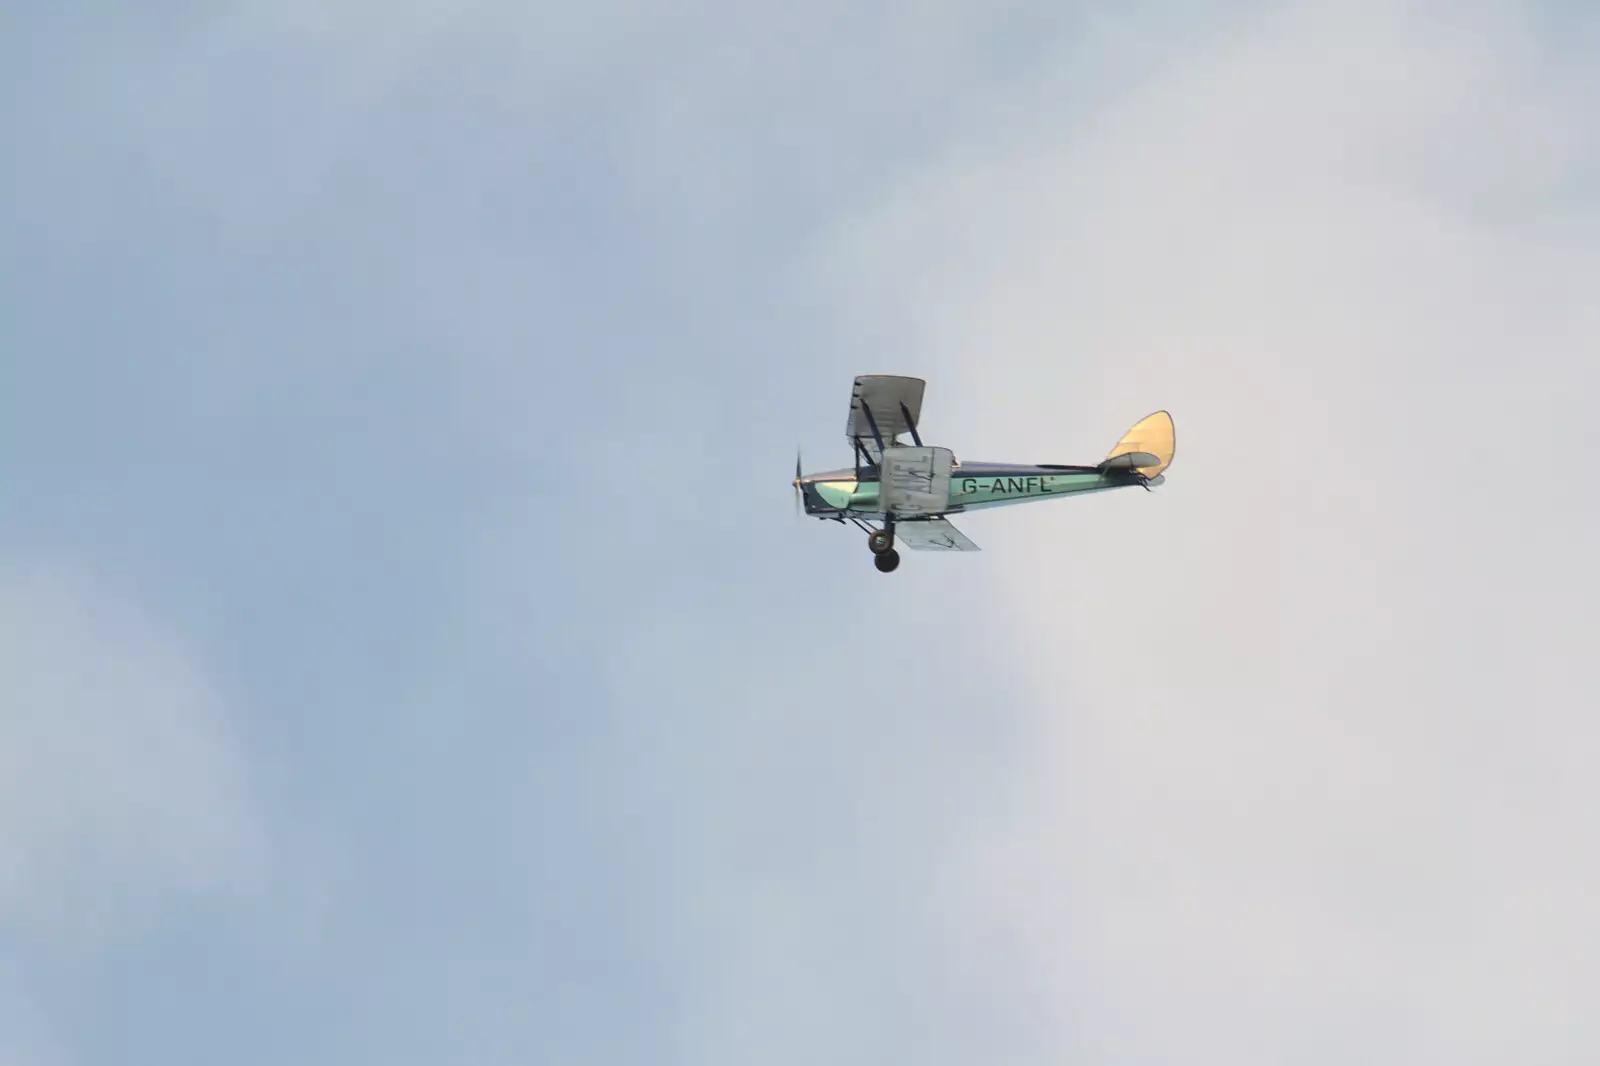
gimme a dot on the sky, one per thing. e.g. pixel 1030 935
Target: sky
pixel 409 651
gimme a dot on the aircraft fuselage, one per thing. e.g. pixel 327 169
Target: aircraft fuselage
pixel 973 486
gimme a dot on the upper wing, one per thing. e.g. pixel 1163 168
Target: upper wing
pixel 932 535
pixel 883 406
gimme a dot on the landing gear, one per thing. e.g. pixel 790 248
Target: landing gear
pixel 881 544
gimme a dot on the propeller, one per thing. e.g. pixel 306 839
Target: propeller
pixel 799 493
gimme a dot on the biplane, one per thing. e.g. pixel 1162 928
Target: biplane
pixel 902 493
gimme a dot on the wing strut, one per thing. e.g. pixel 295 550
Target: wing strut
pixel 911 424
pixel 873 422
pixel 861 453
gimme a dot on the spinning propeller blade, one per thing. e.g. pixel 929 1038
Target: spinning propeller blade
pixel 799 493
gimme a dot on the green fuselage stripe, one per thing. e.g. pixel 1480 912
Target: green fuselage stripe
pixel 968 493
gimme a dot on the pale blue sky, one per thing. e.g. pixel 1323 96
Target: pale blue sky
pixel 411 654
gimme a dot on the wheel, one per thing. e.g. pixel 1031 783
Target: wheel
pixel 880 541
pixel 886 561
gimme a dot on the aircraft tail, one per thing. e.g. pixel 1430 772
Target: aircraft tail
pixel 1149 446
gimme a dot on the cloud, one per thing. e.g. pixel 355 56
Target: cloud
pixel 1310 725
pixel 26 1036
pixel 124 789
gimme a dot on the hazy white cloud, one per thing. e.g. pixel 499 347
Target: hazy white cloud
pixel 1311 724
pixel 122 788
pixel 26 1036
pixel 123 793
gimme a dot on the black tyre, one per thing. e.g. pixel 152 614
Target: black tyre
pixel 886 561
pixel 880 541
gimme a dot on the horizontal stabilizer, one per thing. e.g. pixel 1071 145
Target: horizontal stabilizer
pixel 932 535
pixel 1129 461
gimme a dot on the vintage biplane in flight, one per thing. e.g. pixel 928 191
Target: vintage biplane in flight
pixel 901 493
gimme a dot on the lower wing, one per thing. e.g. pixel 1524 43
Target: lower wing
pixel 931 535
